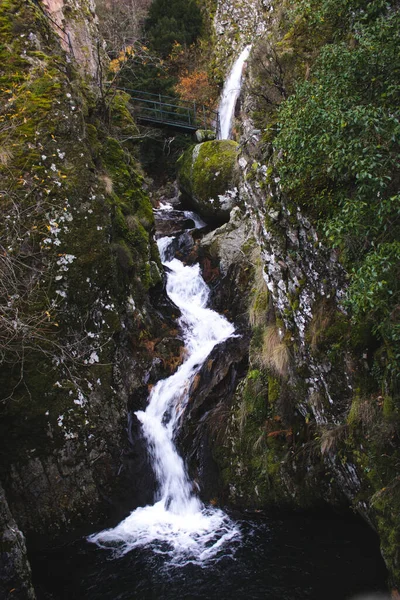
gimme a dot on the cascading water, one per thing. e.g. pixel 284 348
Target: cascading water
pixel 178 524
pixel 230 94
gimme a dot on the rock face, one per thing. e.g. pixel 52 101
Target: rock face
pixel 226 258
pixel 15 573
pixel 82 336
pixel 306 423
pixel 75 23
pixel 209 401
pixel 207 179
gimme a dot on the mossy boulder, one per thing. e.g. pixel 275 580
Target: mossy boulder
pixel 205 135
pixel 206 178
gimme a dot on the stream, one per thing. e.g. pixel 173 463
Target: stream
pixel 177 525
pixel 178 547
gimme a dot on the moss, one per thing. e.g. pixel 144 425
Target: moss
pixel 389 407
pixel 386 505
pixel 93 140
pixel 206 171
pixel 259 306
pixel 273 389
pixel 81 227
pixel 124 255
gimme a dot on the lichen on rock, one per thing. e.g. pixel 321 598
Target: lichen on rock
pixel 78 260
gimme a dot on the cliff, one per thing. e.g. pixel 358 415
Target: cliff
pixel 302 407
pixel 316 417
pixel 80 337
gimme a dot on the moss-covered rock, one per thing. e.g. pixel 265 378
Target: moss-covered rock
pixel 207 178
pixel 77 325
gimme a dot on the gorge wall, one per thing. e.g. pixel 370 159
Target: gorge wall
pixel 80 276
pixel 288 414
pixel 313 420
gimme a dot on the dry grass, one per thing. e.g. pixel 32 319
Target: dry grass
pixel 242 414
pixel 259 304
pixel 321 320
pixel 275 354
pixel 5 156
pixel 330 438
pixel 217 422
pixel 132 223
pixel 108 184
pixel 365 412
pixel 259 444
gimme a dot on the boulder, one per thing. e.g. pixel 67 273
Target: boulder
pixel 204 135
pixel 206 178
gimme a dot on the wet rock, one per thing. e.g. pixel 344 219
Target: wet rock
pixel 210 396
pixel 171 222
pixel 15 571
pixel 227 267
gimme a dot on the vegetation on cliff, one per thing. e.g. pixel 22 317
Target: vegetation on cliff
pixel 77 262
pixel 332 86
pixel 326 82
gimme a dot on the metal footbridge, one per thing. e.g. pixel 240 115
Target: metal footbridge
pixel 156 110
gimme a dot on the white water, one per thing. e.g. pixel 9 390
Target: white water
pixel 198 221
pixel 230 94
pixel 178 524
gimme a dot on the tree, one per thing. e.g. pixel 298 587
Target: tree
pixel 172 21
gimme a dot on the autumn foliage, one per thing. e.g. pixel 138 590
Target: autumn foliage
pixel 196 87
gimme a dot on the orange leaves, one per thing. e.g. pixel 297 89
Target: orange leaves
pixel 195 87
pixel 287 433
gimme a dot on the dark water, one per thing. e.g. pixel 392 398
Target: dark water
pixel 293 558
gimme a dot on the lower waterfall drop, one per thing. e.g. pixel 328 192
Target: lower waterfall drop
pixel 177 524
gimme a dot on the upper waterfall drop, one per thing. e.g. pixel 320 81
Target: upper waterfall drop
pixel 230 94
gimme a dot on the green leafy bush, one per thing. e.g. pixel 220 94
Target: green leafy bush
pixel 338 147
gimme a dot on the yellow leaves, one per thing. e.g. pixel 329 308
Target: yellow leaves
pixel 114 65
pixel 48 315
pixel 124 55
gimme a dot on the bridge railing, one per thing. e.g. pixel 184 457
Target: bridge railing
pixel 168 110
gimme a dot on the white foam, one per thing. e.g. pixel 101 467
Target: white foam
pixel 177 524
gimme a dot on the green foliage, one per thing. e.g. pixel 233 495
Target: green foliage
pixel 376 284
pixel 338 147
pixel 171 21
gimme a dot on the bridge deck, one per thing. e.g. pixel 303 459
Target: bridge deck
pixel 167 111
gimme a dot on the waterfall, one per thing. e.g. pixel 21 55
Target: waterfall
pixel 177 524
pixel 230 94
